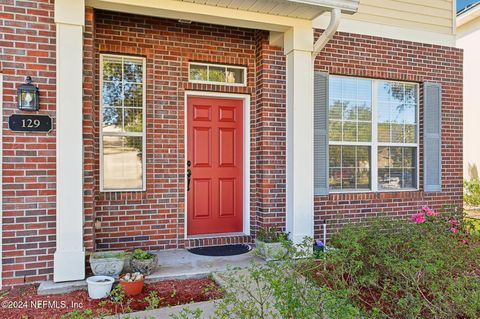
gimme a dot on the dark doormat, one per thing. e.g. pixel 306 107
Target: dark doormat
pixel 223 250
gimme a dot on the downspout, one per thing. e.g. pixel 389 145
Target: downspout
pixel 329 32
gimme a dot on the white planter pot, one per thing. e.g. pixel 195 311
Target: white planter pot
pixel 106 264
pixel 270 251
pixel 99 286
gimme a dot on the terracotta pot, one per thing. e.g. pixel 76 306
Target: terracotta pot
pixel 132 288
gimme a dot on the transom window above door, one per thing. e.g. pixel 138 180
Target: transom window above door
pixel 217 74
pixel 122 134
pixel 373 134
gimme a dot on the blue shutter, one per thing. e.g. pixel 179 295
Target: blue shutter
pixel 432 135
pixel 320 125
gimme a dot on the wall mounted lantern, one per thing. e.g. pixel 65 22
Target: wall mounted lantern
pixel 28 96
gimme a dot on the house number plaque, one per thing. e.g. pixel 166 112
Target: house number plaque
pixel 30 123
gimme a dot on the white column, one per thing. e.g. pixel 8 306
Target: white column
pixel 298 51
pixel 69 257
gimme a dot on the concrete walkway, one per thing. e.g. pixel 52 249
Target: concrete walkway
pixel 173 264
pixel 208 307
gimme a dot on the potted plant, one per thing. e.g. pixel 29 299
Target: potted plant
pixel 107 263
pixel 132 283
pixel 143 261
pixel 99 286
pixel 269 243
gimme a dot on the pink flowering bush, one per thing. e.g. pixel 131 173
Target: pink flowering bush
pixel 427 214
pixel 426 267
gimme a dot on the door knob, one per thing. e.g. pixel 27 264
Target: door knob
pixel 189 174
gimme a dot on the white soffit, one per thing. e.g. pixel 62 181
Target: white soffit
pixel 468 14
pixel 300 9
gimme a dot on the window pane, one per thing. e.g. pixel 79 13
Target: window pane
pixel 363 178
pixel 112 69
pixel 397 167
pixel 335 178
pixel 350 131
pixel 336 107
pixel 409 178
pixel 335 156
pixel 396 158
pixel 348 178
pixel 198 72
pixel 235 75
pixel 133 95
pixel 364 132
pixel 397 103
pixel 383 157
pixel 363 157
pixel 348 156
pixel 410 133
pixel 133 120
pixel 335 131
pixel 351 105
pixel 133 70
pixel 349 88
pixel 364 109
pixel 349 167
pixel 349 111
pixel 396 133
pixel 409 159
pixel 216 74
pixel 122 162
pixel 112 120
pixel 112 94
pixel 122 110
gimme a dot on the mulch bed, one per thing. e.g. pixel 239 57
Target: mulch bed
pixel 23 302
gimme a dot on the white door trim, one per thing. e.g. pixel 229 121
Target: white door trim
pixel 246 152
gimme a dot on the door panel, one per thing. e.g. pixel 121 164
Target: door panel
pixel 202 147
pixel 227 147
pixel 202 192
pixel 215 149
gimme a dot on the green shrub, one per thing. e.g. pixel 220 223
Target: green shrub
pixel 403 269
pixel 271 235
pixel 471 192
pixel 140 254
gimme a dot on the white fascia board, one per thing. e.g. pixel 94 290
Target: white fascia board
pixel 468 15
pixel 201 13
pixel 386 31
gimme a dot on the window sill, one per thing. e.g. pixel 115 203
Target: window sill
pixel 372 192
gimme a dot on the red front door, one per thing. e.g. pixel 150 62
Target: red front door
pixel 215 160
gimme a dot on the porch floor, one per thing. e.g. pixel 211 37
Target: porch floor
pixel 173 264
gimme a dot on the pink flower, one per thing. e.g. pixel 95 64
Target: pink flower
pixel 454 222
pixel 429 211
pixel 464 241
pixel 418 218
pixel 454 230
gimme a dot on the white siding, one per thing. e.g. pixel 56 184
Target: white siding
pixel 469 40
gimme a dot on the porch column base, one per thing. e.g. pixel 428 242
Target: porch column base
pixel 68 265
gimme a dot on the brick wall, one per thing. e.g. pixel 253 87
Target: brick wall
pixel 27 47
pixel 270 140
pixel 155 218
pixel 367 56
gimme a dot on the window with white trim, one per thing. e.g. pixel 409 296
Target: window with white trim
pixel 122 135
pixel 373 128
pixel 217 74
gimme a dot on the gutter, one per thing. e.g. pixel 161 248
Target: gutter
pixel 329 32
